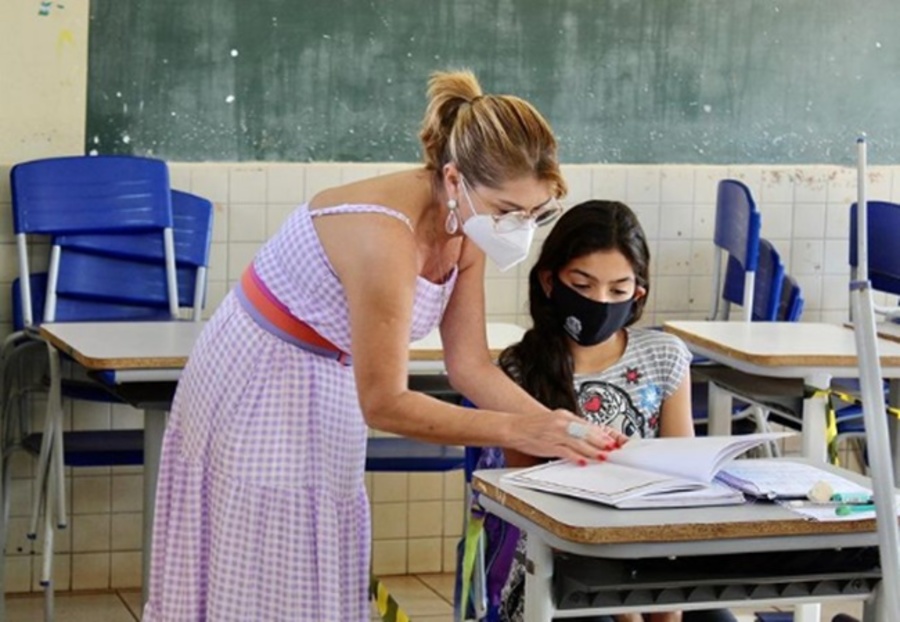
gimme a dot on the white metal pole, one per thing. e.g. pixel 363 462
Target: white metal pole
pixel 873 404
pixel 862 213
pixel 877 443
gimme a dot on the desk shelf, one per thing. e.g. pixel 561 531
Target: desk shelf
pixel 714 581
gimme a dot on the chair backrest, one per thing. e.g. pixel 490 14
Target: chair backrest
pixel 736 234
pixel 768 283
pixel 76 309
pixel 129 269
pixel 88 195
pixel 884 251
pixel 791 307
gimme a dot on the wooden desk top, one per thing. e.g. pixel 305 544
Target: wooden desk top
pixel 166 345
pixel 124 345
pixel 499 336
pixel 780 344
pixel 592 523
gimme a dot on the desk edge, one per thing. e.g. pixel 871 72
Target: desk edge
pixel 668 533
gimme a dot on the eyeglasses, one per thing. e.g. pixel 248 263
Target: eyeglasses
pixel 541 216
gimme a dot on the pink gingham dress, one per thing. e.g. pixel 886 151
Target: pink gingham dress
pixel 261 510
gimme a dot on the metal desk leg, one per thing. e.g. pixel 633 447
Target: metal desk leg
pixel 720 406
pixel 538 580
pixel 815 415
pixel 873 608
pixel 809 612
pixel 5 481
pixel 154 427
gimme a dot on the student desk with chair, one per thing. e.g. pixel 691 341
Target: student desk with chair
pixel 586 559
pixel 142 361
pixel 810 351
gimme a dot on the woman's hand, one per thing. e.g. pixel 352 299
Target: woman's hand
pixel 560 434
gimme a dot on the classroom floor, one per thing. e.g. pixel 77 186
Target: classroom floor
pixel 425 598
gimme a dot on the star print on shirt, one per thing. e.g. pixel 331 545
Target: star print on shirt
pixel 651 398
pixel 632 375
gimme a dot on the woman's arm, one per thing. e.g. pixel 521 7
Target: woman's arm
pixel 466 354
pixel 378 272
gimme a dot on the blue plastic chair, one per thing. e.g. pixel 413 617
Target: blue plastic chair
pixel 737 232
pixel 87 290
pixel 884 252
pixel 107 277
pixel 790 308
pixel 89 195
pixel 129 270
pixel 82 197
pixel 884 274
pixel 768 283
pixel 775 297
pixel 391 454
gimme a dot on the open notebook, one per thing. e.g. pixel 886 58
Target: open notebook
pixel 782 479
pixel 649 473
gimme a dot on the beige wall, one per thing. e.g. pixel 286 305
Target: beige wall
pixel 43 79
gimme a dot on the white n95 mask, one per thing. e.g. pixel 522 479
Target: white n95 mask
pixel 506 240
pixel 506 248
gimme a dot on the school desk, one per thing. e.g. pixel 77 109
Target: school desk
pixel 584 558
pixel 142 361
pixel 813 352
pixel 885 330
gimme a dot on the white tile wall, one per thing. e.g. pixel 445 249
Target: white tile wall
pixel 418 517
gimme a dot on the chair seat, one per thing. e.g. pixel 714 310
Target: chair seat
pixel 126 448
pixel 87 391
pixel 406 454
pixel 96 448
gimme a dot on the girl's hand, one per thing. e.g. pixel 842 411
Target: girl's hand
pixel 561 434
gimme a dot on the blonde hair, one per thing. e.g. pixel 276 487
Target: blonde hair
pixel 490 138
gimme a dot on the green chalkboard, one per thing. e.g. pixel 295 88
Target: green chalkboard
pixel 635 81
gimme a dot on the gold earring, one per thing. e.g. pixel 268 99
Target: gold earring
pixel 451 225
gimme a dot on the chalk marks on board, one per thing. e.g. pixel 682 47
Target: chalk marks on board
pixel 46 6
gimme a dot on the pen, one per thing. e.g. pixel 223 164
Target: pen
pixel 847 510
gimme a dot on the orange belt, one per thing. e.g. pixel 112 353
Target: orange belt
pixel 274 317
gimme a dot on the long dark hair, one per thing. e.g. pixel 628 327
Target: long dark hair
pixel 541 362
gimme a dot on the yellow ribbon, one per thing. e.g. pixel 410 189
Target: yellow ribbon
pixel 474 531
pixel 853 399
pixel 831 430
pixel 388 608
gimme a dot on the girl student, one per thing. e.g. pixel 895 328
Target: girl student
pixel 584 354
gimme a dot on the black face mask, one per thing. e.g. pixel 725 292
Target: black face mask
pixel 587 321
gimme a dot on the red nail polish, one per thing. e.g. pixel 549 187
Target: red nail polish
pixel 582 462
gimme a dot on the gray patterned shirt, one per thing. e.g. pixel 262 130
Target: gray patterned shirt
pixel 629 393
